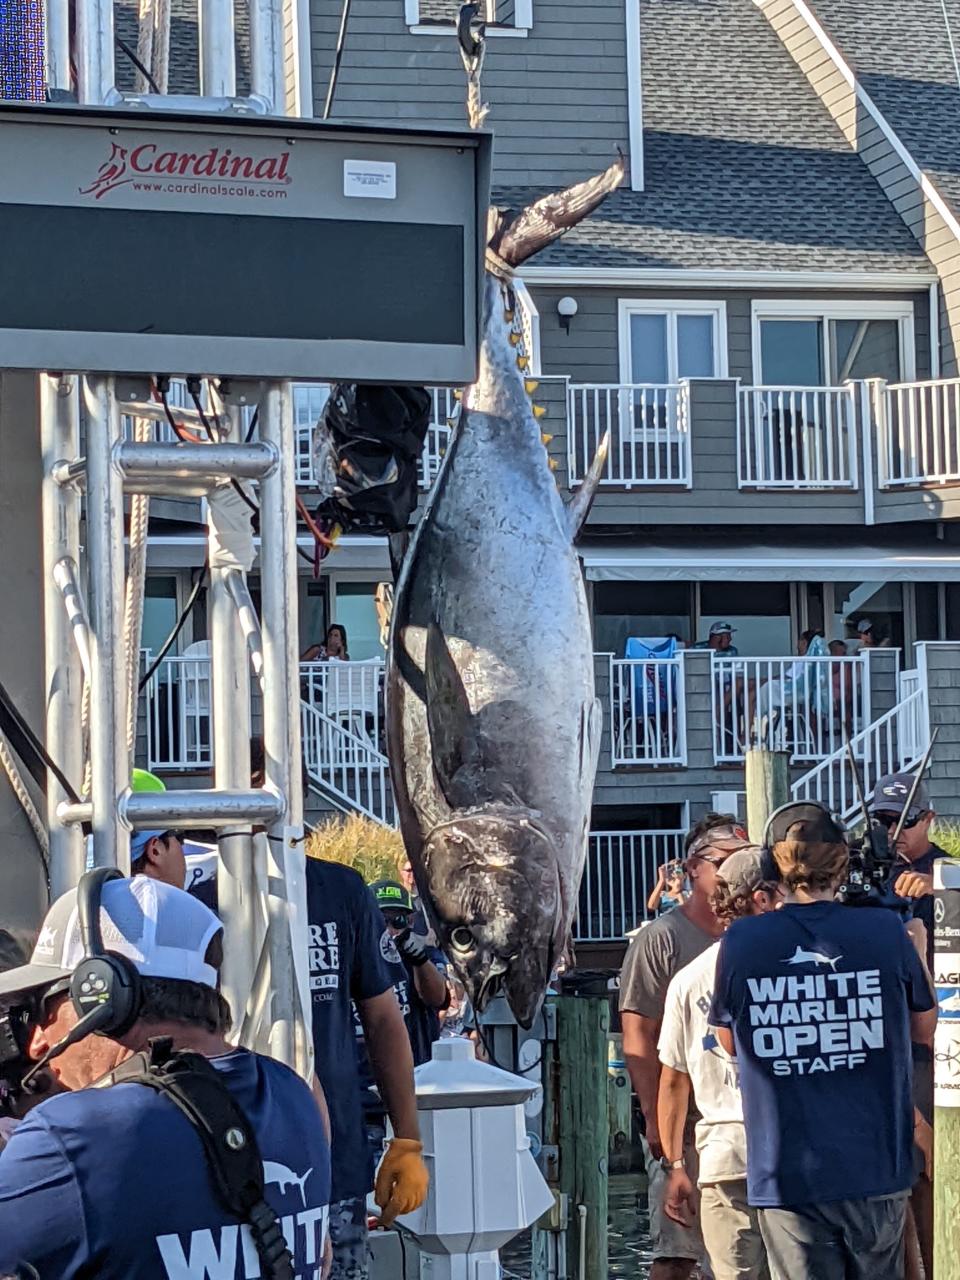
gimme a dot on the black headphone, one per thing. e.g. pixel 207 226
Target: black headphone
pixel 105 987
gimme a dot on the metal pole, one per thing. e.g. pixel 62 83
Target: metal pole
pixel 96 74
pixel 56 17
pixel 230 682
pixel 218 63
pixel 266 56
pixel 108 739
pixel 290 1035
pixel 63 677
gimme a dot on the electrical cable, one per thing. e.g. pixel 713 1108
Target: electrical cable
pixel 125 48
pixel 254 422
pixel 178 627
pixel 488 1047
pixel 337 59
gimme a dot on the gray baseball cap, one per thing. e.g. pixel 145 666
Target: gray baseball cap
pixel 745 871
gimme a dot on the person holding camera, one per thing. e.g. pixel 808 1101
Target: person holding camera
pixel 819 1002
pixel 171 1153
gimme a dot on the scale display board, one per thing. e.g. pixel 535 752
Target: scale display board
pixel 143 243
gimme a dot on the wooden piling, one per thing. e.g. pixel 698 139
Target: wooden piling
pixel 583 1023
pixel 768 787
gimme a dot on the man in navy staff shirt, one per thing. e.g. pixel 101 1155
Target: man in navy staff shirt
pixel 819 1002
pixel 113 1182
pixel 348 955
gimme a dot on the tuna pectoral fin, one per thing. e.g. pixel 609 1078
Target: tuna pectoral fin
pixel 449 718
pixel 579 503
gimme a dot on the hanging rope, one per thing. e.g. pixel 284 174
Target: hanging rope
pixel 18 786
pixel 470 39
pixel 133 599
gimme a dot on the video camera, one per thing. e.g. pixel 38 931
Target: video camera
pixel 17 1021
pixel 872 858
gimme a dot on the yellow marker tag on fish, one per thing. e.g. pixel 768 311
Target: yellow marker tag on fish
pixel 539 411
pixel 530 385
pixel 545 439
pixel 522 361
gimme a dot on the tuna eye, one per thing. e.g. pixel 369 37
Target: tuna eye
pixel 461 939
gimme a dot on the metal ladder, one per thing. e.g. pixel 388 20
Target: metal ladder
pixel 261 888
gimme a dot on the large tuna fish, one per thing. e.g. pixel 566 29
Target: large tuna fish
pixel 493 726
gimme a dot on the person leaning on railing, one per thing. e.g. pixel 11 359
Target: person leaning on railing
pixel 334 647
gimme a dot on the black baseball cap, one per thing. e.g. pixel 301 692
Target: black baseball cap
pixel 891 792
pixel 803 820
pixel 391 896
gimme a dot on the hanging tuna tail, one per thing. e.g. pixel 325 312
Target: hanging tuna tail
pixel 517 239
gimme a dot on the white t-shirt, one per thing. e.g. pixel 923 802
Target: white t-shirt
pixel 687 1043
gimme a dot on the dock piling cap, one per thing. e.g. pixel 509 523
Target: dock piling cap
pixel 454 1078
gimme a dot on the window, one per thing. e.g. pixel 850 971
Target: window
pixel 760 612
pixel 356 611
pixel 664 342
pixel 159 611
pixel 502 17
pixel 816 344
pixel 651 609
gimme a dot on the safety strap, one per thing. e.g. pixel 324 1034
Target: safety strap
pixel 194 1086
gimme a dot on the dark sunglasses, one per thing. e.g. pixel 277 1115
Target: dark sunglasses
pixel 711 858
pixel 399 919
pixel 890 820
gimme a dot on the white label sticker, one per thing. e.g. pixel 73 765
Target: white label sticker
pixel 371 179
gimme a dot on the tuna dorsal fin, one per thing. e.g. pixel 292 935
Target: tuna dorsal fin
pixel 449 718
pixel 579 503
pixel 549 217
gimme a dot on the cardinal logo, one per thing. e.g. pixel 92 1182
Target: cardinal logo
pixel 112 173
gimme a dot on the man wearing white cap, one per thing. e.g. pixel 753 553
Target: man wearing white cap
pixel 115 1181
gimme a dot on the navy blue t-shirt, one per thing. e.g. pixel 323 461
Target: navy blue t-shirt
pixel 819 998
pixel 922 907
pixel 348 948
pixel 114 1182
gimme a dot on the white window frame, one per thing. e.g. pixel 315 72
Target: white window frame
pixel 825 310
pixel 523 22
pixel 717 310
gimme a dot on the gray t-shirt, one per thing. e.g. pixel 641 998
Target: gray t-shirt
pixel 658 951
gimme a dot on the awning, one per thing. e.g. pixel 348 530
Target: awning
pixel 354 552
pixel 736 561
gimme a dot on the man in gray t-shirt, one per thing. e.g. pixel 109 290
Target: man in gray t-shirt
pixel 657 952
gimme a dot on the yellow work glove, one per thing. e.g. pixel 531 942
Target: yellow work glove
pixel 402 1180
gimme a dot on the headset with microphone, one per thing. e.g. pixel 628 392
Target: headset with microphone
pixel 105 987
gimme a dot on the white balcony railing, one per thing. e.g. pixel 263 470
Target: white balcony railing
pixel 618 878
pixel 649 430
pixel 805 706
pixel 893 742
pixel 344 764
pixel 178 713
pixel 350 694
pixel 919 429
pixel 797 438
pixel 647 706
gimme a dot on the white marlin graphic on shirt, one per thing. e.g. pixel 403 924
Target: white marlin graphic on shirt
pixel 813 957
pixel 284 1177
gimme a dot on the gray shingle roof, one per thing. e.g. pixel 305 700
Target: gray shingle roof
pixel 900 50
pixel 743 167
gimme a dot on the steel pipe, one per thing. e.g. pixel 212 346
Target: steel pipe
pixel 218 62
pixel 209 463
pixel 96 73
pixel 237 897
pixel 290 1035
pixel 160 810
pixel 108 740
pixel 249 622
pixel 63 680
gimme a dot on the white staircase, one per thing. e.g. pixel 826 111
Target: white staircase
pixel 345 767
pixel 895 741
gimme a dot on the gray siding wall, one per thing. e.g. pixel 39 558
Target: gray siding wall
pixel 558 97
pixel 590 353
pixel 943 673
pixel 864 134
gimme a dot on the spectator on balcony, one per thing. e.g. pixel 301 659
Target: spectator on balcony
pixel 334 647
pixel 656 953
pixel 841 687
pixel 806 639
pixel 720 640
